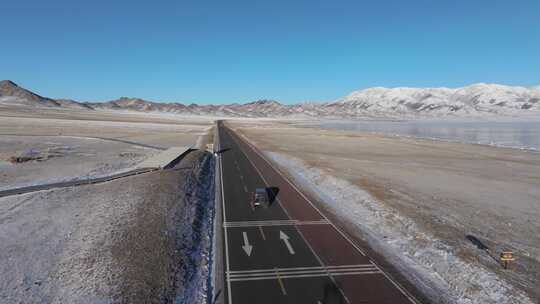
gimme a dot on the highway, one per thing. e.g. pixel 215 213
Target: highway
pixel 288 252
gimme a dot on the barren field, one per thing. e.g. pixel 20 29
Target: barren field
pixel 63 158
pixel 46 145
pixel 432 204
pixel 124 241
pixel 154 131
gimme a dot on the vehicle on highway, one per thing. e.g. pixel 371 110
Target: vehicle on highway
pixel 260 197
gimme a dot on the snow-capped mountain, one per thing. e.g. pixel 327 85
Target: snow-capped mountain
pixel 470 100
pixel 474 100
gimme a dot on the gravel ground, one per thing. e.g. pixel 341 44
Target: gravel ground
pixel 133 240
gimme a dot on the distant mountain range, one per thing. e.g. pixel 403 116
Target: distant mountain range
pixel 474 100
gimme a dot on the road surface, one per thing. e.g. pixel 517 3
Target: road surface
pixel 288 252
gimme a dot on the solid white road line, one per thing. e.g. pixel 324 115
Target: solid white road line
pixel 315 270
pixel 274 223
pixel 289 216
pixel 311 275
pixel 229 293
pixel 320 271
pixel 396 284
pixel 307 268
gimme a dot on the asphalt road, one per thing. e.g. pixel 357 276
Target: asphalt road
pixel 287 252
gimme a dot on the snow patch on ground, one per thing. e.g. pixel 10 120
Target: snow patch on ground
pixel 196 242
pixel 62 159
pixel 423 259
pixel 204 138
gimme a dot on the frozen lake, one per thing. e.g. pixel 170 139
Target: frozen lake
pixel 521 134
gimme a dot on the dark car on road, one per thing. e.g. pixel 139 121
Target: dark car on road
pixel 260 197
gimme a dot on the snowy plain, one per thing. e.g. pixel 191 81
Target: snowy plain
pixel 421 256
pixel 140 239
pixel 79 145
pixel 440 194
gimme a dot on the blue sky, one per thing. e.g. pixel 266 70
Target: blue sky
pixel 238 51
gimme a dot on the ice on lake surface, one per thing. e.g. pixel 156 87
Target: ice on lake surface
pixel 520 134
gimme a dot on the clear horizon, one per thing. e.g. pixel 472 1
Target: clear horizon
pixel 239 102
pixel 241 51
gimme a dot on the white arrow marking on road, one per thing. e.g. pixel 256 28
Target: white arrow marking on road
pixel 285 239
pixel 247 247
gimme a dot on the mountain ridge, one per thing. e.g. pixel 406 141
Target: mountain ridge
pixel 9 88
pixel 473 100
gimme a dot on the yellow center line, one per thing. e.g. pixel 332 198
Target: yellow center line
pixel 280 281
pixel 262 233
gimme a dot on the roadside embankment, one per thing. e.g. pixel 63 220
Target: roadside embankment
pixel 141 239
